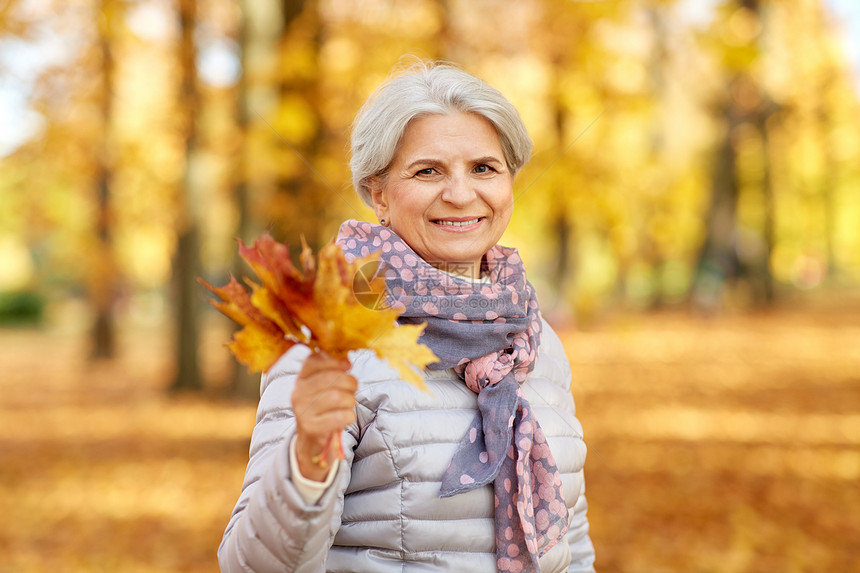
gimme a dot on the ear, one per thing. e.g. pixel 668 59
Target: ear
pixel 378 195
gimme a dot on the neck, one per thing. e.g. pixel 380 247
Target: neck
pixel 467 270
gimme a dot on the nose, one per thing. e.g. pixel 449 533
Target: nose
pixel 458 190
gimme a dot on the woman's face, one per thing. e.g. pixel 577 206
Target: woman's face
pixel 448 192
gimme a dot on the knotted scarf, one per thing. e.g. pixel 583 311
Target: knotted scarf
pixel 489 332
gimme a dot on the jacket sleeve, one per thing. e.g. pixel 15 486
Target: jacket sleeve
pixel 581 549
pixel 272 528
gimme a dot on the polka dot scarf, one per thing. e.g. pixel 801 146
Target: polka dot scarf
pixel 489 332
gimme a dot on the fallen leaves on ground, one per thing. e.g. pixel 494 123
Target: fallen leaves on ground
pixel 727 445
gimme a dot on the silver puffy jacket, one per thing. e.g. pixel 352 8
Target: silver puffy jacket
pixel 383 512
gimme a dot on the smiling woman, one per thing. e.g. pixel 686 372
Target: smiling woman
pixel 448 192
pixel 484 471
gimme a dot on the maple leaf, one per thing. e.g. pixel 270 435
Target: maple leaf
pixel 400 347
pixel 315 305
pixel 261 342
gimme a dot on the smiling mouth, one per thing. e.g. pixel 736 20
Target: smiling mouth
pixel 457 223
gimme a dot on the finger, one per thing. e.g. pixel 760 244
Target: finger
pixel 319 362
pixel 319 427
pixel 323 394
pixel 328 401
pixel 329 380
pixel 324 401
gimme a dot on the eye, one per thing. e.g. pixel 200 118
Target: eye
pixel 426 171
pixel 483 168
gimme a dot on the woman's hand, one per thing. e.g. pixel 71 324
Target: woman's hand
pixel 323 402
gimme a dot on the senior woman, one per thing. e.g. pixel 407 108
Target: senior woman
pixel 482 472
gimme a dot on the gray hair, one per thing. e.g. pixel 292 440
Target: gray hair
pixel 428 88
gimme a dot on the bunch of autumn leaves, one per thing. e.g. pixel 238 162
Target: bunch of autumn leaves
pixel 315 305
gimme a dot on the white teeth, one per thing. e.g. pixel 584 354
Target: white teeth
pixel 458 223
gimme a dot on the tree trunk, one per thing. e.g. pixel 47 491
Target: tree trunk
pixel 769 230
pixel 260 30
pixel 657 64
pixel 187 300
pixel 104 277
pixel 831 172
pixel 718 260
pixel 187 266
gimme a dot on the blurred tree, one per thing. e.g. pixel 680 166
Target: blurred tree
pixel 815 148
pixel 594 101
pixel 761 119
pixel 562 52
pixel 303 196
pixel 560 36
pixel 649 248
pixel 103 276
pixel 259 33
pixel 186 261
pixel 742 107
pixel 826 106
pixel 830 168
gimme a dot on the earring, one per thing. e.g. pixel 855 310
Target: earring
pixel 382 222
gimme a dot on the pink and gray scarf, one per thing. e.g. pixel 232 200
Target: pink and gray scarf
pixel 489 332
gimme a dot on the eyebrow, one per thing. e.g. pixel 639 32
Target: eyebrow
pixel 428 162
pixel 436 162
pixel 488 159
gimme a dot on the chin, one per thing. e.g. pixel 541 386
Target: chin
pixel 459 258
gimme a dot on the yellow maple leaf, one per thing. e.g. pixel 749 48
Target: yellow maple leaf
pixel 257 348
pixel 400 347
pixel 262 340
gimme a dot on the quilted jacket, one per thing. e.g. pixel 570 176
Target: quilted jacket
pixel 383 512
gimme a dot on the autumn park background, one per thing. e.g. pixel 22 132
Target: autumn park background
pixel 690 218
